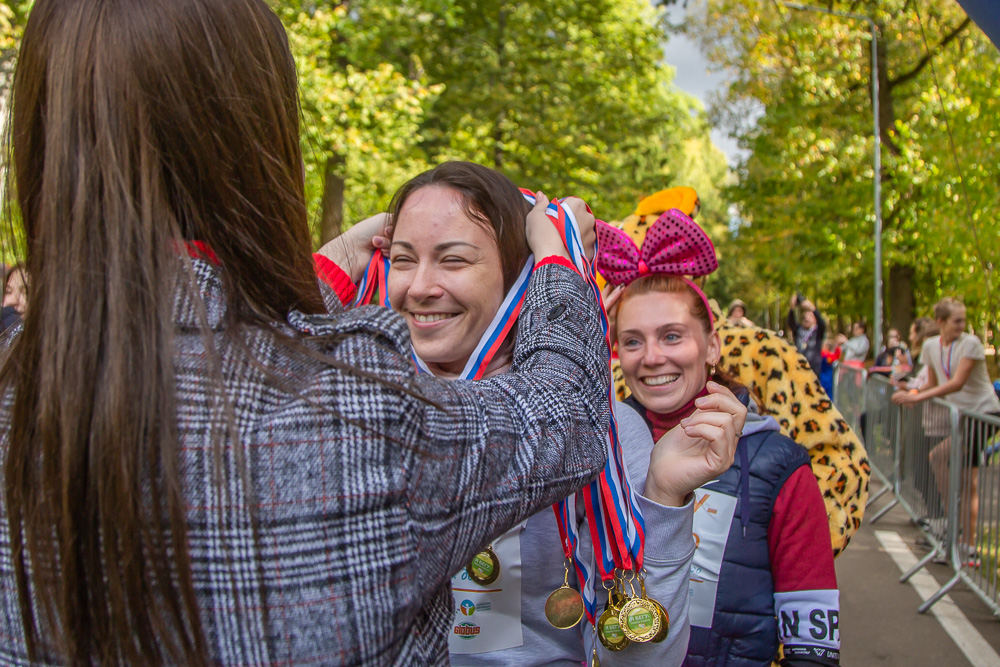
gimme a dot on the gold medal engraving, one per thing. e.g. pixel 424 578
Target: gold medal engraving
pixel 639 620
pixel 564 608
pixel 660 611
pixel 484 568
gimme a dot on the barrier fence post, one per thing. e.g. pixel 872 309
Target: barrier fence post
pixel 881 441
pixel 955 460
pixel 979 521
pixel 922 484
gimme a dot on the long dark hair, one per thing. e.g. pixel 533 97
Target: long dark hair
pixel 489 198
pixel 135 126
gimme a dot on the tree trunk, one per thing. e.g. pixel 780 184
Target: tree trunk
pixel 332 204
pixel 902 301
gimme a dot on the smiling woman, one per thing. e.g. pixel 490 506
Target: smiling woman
pixel 447 263
pixel 759 522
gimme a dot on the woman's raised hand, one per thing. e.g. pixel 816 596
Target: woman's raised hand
pixel 543 239
pixel 698 450
pixel 352 249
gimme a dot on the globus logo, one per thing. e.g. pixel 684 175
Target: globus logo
pixel 467 630
pixel 468 608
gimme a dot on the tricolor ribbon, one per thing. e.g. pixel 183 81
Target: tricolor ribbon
pixel 616 526
pixel 375 276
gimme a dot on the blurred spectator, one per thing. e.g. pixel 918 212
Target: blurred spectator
pixel 956 364
pixel 921 329
pixel 15 296
pixel 737 315
pixel 830 354
pixel 809 333
pixel 854 350
pixel 894 358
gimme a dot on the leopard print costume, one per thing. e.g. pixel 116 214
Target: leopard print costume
pixel 790 392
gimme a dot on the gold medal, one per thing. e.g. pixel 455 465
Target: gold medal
pixel 661 612
pixel 639 620
pixel 664 623
pixel 594 660
pixel 609 630
pixel 564 607
pixel 484 568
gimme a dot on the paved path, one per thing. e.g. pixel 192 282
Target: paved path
pixel 879 620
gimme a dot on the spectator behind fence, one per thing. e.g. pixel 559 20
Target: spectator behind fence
pixel 894 357
pixel 830 355
pixel 737 314
pixel 921 329
pixel 202 465
pixel 809 333
pixel 956 372
pixel 854 350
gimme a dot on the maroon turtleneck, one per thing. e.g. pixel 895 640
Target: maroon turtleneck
pixel 664 422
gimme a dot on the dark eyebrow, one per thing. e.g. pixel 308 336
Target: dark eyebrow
pixel 439 247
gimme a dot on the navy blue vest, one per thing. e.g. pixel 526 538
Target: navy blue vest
pixel 744 629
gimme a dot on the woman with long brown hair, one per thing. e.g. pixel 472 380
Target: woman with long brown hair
pixel 200 465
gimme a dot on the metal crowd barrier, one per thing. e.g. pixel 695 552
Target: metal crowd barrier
pixel 940 464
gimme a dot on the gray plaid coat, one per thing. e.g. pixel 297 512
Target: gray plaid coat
pixel 368 499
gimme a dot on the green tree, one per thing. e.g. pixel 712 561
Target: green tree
pixel 361 126
pixel 805 193
pixel 570 97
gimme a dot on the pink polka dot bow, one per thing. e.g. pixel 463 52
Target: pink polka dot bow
pixel 675 245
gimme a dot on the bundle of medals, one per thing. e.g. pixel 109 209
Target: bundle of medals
pixel 610 506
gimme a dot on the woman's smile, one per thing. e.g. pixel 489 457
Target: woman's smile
pixel 660 380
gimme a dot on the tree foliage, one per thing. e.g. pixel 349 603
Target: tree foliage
pixel 805 193
pixel 565 96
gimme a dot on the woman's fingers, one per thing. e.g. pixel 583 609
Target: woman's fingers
pixel 717 439
pixel 612 295
pixel 543 239
pixel 721 399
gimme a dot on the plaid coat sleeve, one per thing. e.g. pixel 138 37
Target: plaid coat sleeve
pixel 324 525
pixel 515 443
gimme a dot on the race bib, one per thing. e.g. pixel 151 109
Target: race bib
pixel 713 517
pixel 488 618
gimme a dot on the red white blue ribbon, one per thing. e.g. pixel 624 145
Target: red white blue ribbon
pixel 373 278
pixel 616 525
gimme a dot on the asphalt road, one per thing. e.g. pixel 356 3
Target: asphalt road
pixel 879 621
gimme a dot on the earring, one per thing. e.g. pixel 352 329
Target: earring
pixel 711 371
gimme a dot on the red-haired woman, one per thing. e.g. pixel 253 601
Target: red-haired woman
pixel 763 572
